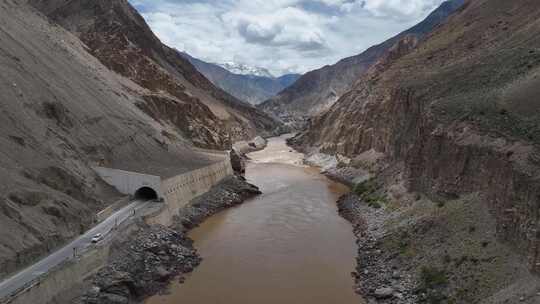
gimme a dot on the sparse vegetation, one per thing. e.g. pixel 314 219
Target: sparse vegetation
pixel 485 107
pixel 432 281
pixel 406 249
pixel 369 191
pixel 366 187
pixel 432 277
pixel 447 259
pixel 342 164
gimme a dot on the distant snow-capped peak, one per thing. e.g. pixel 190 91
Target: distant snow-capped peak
pixel 243 69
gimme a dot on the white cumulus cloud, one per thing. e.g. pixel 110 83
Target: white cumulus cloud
pixel 400 8
pixel 280 35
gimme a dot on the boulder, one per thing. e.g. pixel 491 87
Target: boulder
pixel 110 298
pixel 237 162
pixel 383 293
pixel 163 274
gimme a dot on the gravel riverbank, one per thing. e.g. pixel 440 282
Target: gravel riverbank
pixel 145 259
pixel 378 275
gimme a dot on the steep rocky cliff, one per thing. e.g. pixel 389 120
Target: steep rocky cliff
pixel 251 88
pixel 457 115
pixel 317 90
pixel 119 37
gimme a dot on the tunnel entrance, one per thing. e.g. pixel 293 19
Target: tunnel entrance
pixel 146 194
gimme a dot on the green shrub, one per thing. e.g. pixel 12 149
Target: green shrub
pixel 342 164
pixel 367 190
pixel 432 277
pixel 366 187
pixel 375 205
pixel 403 246
pixel 432 283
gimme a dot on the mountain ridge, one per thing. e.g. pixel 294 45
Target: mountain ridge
pixel 317 90
pixel 243 69
pixel 119 36
pixel 250 88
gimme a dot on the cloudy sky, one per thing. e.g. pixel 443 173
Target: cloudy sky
pixel 280 35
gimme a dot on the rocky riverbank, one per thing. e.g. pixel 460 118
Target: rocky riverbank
pixel 145 259
pixel 231 192
pixel 415 249
pixel 377 278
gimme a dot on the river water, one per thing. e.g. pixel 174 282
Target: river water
pixel 287 246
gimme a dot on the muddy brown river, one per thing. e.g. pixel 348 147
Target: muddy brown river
pixel 286 246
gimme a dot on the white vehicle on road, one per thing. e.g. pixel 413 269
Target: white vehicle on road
pixel 96 238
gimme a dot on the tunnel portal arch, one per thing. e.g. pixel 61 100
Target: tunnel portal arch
pixel 136 185
pixel 146 194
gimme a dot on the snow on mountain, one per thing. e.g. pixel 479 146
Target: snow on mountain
pixel 243 69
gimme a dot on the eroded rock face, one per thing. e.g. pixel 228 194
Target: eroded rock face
pixel 120 38
pixel 457 111
pixel 199 125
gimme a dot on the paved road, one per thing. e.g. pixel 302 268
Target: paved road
pixel 24 277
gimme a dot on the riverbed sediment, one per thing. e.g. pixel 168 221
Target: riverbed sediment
pixel 147 258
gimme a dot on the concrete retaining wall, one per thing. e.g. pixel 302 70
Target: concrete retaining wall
pixel 181 189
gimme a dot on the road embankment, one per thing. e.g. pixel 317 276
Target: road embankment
pixel 143 262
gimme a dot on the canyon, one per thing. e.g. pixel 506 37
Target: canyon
pixel 413 175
